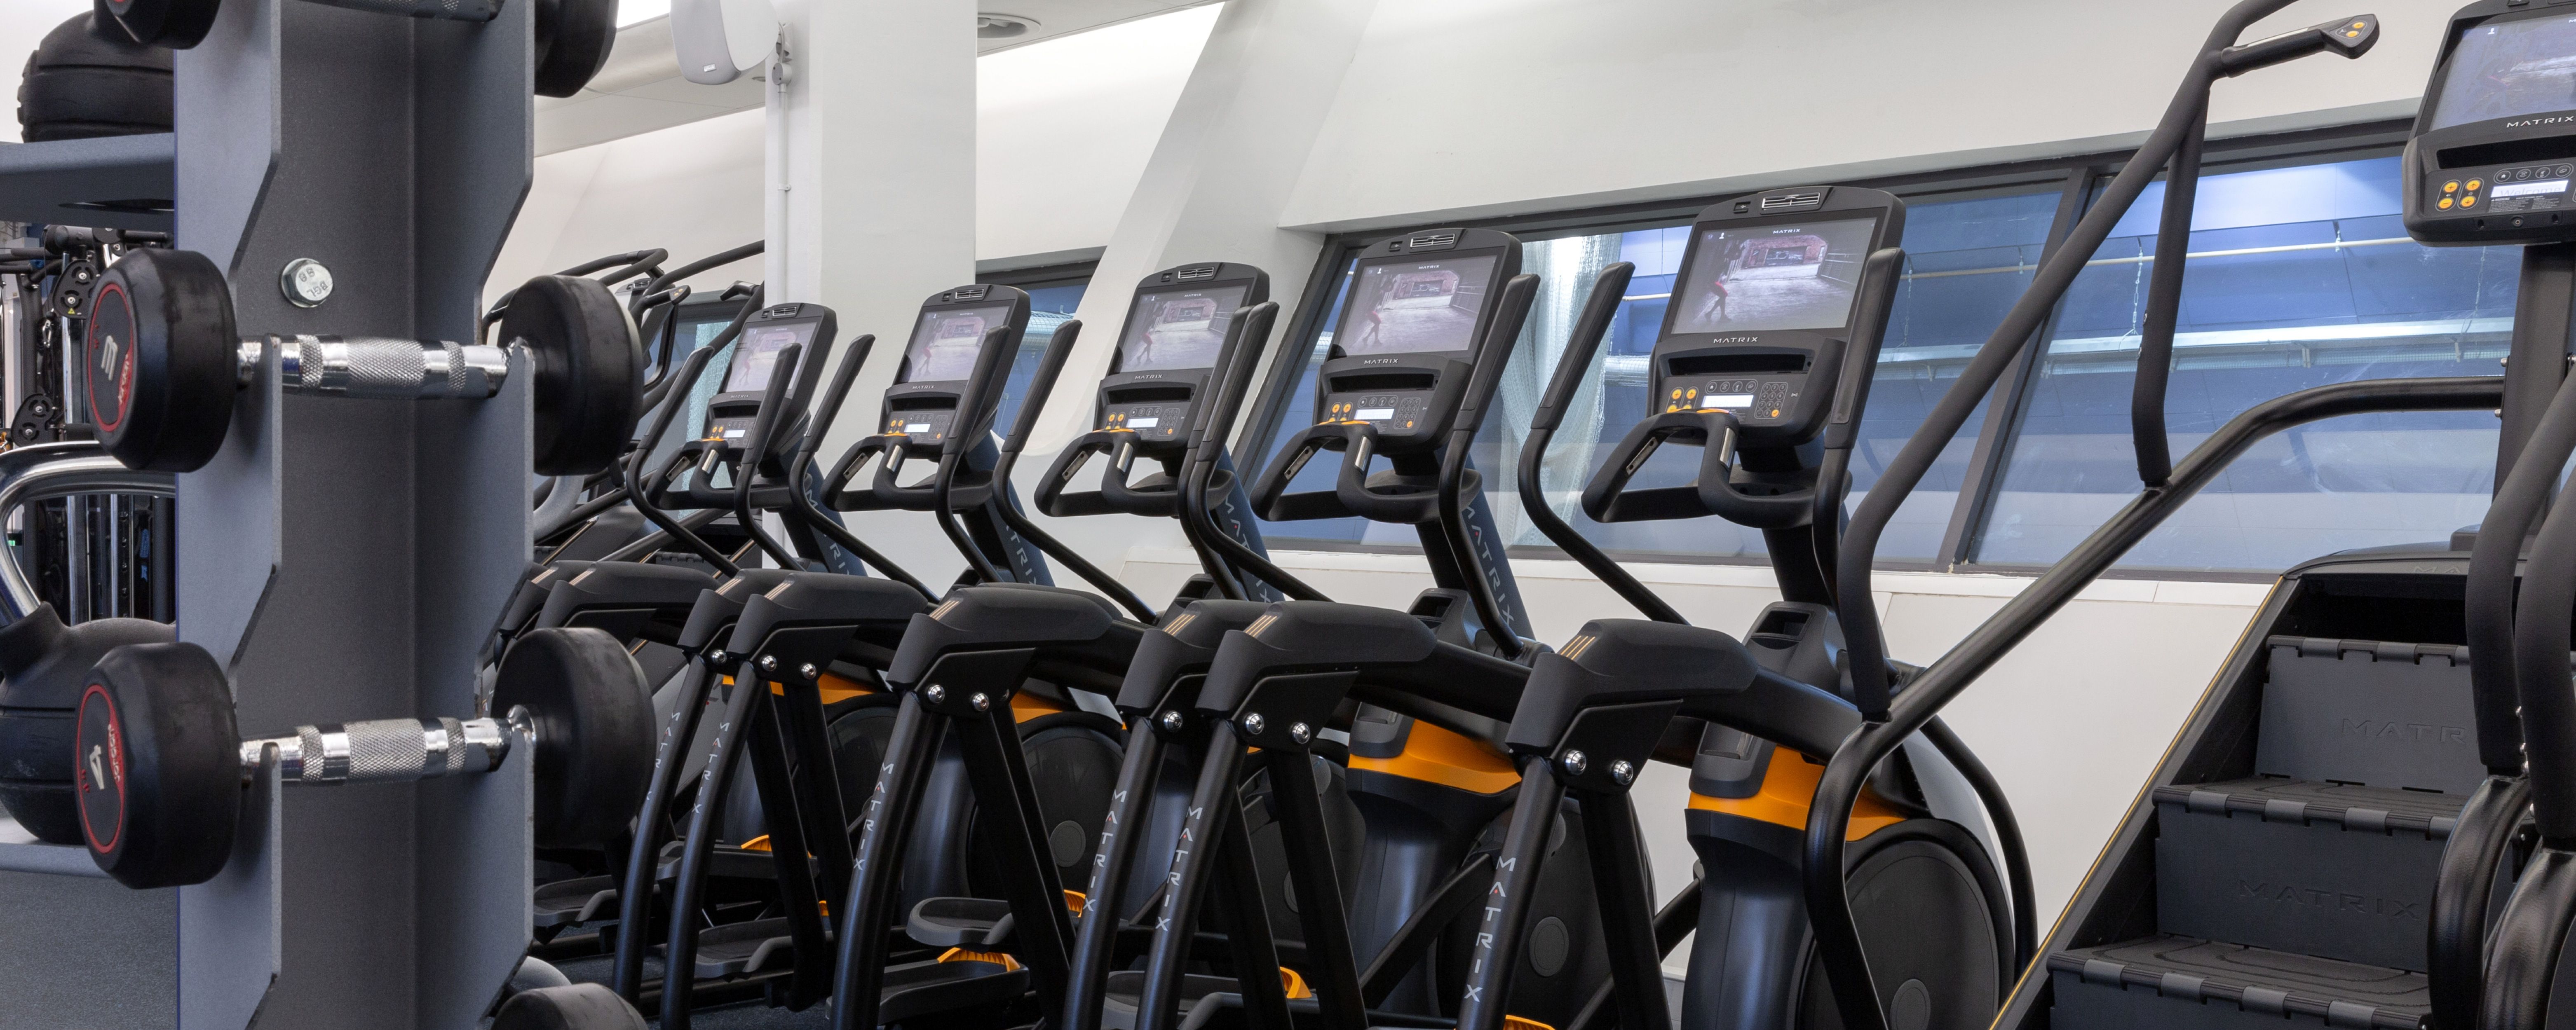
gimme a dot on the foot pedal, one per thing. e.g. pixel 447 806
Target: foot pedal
pixel 574 902
pixel 972 923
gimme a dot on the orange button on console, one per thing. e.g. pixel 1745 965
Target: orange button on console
pixel 2444 204
pixel 2475 183
pixel 2452 186
pixel 2469 201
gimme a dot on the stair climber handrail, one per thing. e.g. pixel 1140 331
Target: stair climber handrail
pixel 1886 726
pixel 1944 680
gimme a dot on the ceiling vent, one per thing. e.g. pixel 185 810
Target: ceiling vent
pixel 990 26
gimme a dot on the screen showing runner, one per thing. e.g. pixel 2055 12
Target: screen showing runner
pixel 1177 328
pixel 1744 280
pixel 2508 70
pixel 1410 305
pixel 944 342
pixel 756 355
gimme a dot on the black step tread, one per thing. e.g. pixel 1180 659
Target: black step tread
pixel 2379 650
pixel 2344 994
pixel 2355 806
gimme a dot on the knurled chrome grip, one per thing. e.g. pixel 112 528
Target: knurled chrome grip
pixel 384 750
pixel 376 366
pixel 450 10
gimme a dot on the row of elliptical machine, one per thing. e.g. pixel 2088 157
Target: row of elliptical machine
pixel 798 628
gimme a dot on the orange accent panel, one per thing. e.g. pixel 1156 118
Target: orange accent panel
pixel 759 843
pixel 1511 1022
pixel 1073 900
pixel 997 958
pixel 1436 755
pixel 1025 706
pixel 1294 984
pixel 1787 789
pixel 835 689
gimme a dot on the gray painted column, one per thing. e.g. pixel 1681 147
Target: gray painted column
pixel 880 208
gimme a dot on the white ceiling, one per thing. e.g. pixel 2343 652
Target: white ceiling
pixel 641 89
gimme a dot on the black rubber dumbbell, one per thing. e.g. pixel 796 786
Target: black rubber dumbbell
pixel 43 665
pixel 584 1006
pixel 161 364
pixel 573 36
pixel 161 770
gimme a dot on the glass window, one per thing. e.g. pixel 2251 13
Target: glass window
pixel 1967 261
pixel 2299 277
pixel 1050 305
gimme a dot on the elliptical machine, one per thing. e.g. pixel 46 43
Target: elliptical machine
pixel 1769 384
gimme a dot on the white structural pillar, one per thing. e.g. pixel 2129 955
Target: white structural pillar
pixel 1220 176
pixel 880 171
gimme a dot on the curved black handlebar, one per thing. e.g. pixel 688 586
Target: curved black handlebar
pixel 815 516
pixel 1219 551
pixel 633 473
pixel 1493 354
pixel 1881 273
pixel 1051 363
pixel 963 430
pixel 1608 289
pixel 764 425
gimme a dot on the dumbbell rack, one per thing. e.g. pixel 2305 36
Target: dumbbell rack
pixel 345 559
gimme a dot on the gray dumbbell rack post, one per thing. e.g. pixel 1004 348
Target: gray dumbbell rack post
pixel 344 558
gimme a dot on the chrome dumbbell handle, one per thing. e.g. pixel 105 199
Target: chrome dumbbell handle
pixel 376 366
pixel 387 750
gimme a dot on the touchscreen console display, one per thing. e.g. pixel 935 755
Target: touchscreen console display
pixel 1177 328
pixel 1743 280
pixel 755 356
pixel 1409 305
pixel 2509 69
pixel 944 342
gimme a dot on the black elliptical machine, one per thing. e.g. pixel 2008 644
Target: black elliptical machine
pixel 968 669
pixel 1769 385
pixel 1424 692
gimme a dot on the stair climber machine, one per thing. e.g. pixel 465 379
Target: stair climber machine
pixel 2489 164
pixel 994 671
pixel 1424 695
pixel 1771 398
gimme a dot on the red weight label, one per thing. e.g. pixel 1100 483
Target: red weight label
pixel 99 748
pixel 107 368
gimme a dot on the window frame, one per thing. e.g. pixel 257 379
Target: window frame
pixel 2079 180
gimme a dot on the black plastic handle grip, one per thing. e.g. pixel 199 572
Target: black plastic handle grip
pixel 765 423
pixel 983 393
pixel 834 394
pixel 1494 352
pixel 1608 289
pixel 1880 275
pixel 1235 365
pixel 1059 348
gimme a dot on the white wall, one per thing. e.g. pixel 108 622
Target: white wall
pixel 1063 129
pixel 1484 107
